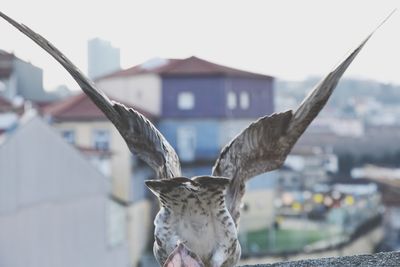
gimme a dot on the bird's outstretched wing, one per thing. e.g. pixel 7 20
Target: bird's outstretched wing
pixel 139 133
pixel 264 145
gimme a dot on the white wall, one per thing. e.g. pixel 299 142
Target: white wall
pixel 52 204
pixel 142 91
pixel 140 225
pixel 67 233
pixel 121 171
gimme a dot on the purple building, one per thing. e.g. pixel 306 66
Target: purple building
pixel 201 105
pixel 195 88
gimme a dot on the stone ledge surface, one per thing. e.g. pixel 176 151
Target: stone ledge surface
pixel 386 259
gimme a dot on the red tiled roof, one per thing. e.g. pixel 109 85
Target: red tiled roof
pixel 188 66
pixel 140 69
pixel 79 107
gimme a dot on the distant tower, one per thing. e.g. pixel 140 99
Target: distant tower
pixel 103 58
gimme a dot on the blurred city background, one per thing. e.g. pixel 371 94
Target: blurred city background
pixel 71 193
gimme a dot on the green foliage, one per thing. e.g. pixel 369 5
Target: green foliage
pixel 281 240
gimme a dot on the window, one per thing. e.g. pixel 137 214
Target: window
pixel 185 100
pixel 101 139
pixel 244 100
pixel 69 136
pixel 186 142
pixel 231 100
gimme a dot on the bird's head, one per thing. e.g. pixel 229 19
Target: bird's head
pixel 182 189
pixel 172 193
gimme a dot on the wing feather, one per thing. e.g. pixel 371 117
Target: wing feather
pixel 265 144
pixel 138 132
pixel 255 149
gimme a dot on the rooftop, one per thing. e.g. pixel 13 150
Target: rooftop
pixel 79 108
pixel 181 67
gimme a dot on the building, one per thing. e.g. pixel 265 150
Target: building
pixel 9 114
pixel 339 126
pixel 307 167
pixel 22 79
pixel 388 180
pixel 103 58
pixel 201 105
pixel 55 208
pixel 82 124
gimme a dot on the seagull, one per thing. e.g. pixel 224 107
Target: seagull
pixel 197 224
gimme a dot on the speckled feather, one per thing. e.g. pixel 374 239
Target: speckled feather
pixel 193 212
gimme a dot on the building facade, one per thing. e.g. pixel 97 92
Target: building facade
pixel 55 208
pixel 83 125
pixel 22 79
pixel 9 114
pixel 103 58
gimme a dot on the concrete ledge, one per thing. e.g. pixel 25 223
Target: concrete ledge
pixel 387 259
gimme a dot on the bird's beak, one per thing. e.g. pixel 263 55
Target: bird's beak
pixel 183 257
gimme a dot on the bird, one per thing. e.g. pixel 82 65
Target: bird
pixel 197 224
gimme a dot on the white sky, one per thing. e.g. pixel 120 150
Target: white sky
pixel 286 39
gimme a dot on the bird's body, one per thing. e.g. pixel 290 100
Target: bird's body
pixel 197 223
pixel 195 214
